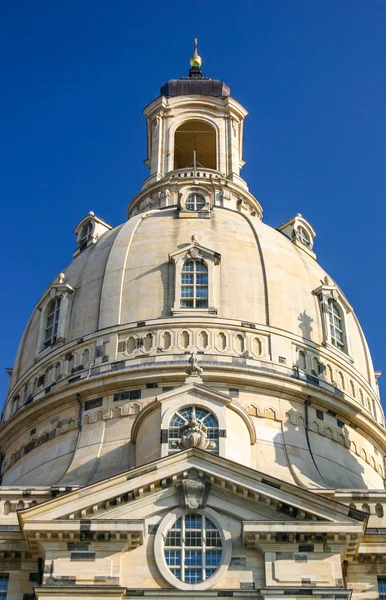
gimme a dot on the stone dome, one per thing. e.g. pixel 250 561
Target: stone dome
pixel 193 302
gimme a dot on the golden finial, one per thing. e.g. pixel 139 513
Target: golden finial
pixel 195 61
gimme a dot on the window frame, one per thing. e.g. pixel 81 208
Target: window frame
pixel 57 291
pixel 192 198
pixel 382 595
pixel 329 294
pixel 214 433
pixel 197 253
pixel 159 548
pixel 54 312
pixel 196 300
pixel 84 238
pixel 336 330
pixel 303 236
pixel 197 551
pixel 4 577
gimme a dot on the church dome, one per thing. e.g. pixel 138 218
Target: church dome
pixel 193 323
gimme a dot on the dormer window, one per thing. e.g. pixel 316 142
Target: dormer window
pixel 195 202
pixel 52 322
pixel 194 284
pixel 88 231
pixel 300 232
pixel 334 311
pixel 54 309
pixel 194 279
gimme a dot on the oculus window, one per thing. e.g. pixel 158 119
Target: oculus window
pixel 193 548
pixel 195 202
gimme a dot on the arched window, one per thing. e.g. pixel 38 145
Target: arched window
pixel 195 145
pixel 336 325
pixel 182 418
pixel 194 284
pixel 85 234
pixel 303 236
pixel 193 548
pixel 52 322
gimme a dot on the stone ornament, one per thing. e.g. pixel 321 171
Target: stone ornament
pixel 192 493
pixel 193 369
pixel 194 435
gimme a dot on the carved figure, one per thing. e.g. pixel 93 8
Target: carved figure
pixel 193 435
pixel 193 368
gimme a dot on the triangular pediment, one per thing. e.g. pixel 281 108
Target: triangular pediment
pixel 241 489
pixel 195 250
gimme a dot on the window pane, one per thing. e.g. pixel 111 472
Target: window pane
pixel 173 538
pixel 176 573
pixel 3 586
pixel 210 420
pixel 187 291
pixel 193 558
pixel 209 572
pixel 188 266
pixel 212 433
pixel 210 525
pixel 202 292
pixel 193 538
pixel 212 558
pixel 193 522
pixel 213 539
pixel 202 278
pixel 186 303
pixel 187 278
pixel 382 585
pixel 201 267
pixel 173 558
pixel 193 576
pixel 202 303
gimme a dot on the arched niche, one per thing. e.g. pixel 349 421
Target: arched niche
pixel 195 137
pixel 149 433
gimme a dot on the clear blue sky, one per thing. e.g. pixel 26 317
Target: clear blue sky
pixel 75 76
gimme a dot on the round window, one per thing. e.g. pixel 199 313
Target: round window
pixel 193 548
pixel 195 202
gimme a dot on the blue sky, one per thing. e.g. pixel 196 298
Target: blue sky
pixel 76 75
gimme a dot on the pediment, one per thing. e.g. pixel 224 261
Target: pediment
pixel 120 505
pixel 195 250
